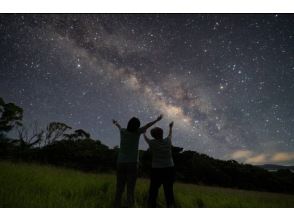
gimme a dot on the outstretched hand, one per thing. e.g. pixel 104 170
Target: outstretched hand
pixel 170 129
pixel 116 123
pixel 159 117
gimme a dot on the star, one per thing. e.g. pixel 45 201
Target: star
pixel 224 79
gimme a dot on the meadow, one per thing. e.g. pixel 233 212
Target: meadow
pixel 32 185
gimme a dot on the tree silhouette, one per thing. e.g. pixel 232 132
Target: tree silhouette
pixel 29 137
pixel 10 115
pixel 78 134
pixel 55 131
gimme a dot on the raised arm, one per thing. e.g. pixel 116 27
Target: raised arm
pixel 170 129
pixel 148 125
pixel 116 124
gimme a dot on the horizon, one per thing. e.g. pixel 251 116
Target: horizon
pixel 225 80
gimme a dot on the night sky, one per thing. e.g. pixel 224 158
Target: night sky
pixel 227 81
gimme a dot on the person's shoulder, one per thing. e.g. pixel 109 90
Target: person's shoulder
pixel 125 131
pixel 167 140
pixel 141 130
pixel 152 141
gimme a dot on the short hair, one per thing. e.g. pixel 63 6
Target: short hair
pixel 156 133
pixel 133 124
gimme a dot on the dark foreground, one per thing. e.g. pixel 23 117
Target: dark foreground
pixel 25 185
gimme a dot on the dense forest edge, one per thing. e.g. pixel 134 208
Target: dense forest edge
pixel 58 144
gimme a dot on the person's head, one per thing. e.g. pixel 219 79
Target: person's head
pixel 133 124
pixel 157 133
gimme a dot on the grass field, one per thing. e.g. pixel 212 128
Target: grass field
pixel 26 185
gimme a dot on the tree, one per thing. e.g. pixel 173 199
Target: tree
pixel 10 115
pixel 54 131
pixel 29 137
pixel 78 134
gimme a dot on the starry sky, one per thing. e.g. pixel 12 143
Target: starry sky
pixel 226 80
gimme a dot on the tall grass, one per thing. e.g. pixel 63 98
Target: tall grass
pixel 27 185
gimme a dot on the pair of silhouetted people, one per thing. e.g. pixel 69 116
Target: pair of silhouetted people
pixel 127 162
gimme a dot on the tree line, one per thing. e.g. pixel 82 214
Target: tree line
pixel 58 144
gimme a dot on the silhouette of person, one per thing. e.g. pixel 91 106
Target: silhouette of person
pixel 162 171
pixel 127 161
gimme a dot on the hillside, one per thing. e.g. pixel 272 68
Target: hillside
pixel 191 167
pixel 274 167
pixel 27 185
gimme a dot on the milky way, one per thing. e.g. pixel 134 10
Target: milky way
pixel 227 81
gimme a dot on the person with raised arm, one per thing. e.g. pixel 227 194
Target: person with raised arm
pixel 163 171
pixel 127 161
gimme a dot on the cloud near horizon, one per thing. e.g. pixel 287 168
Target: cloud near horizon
pixel 254 158
pixel 282 156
